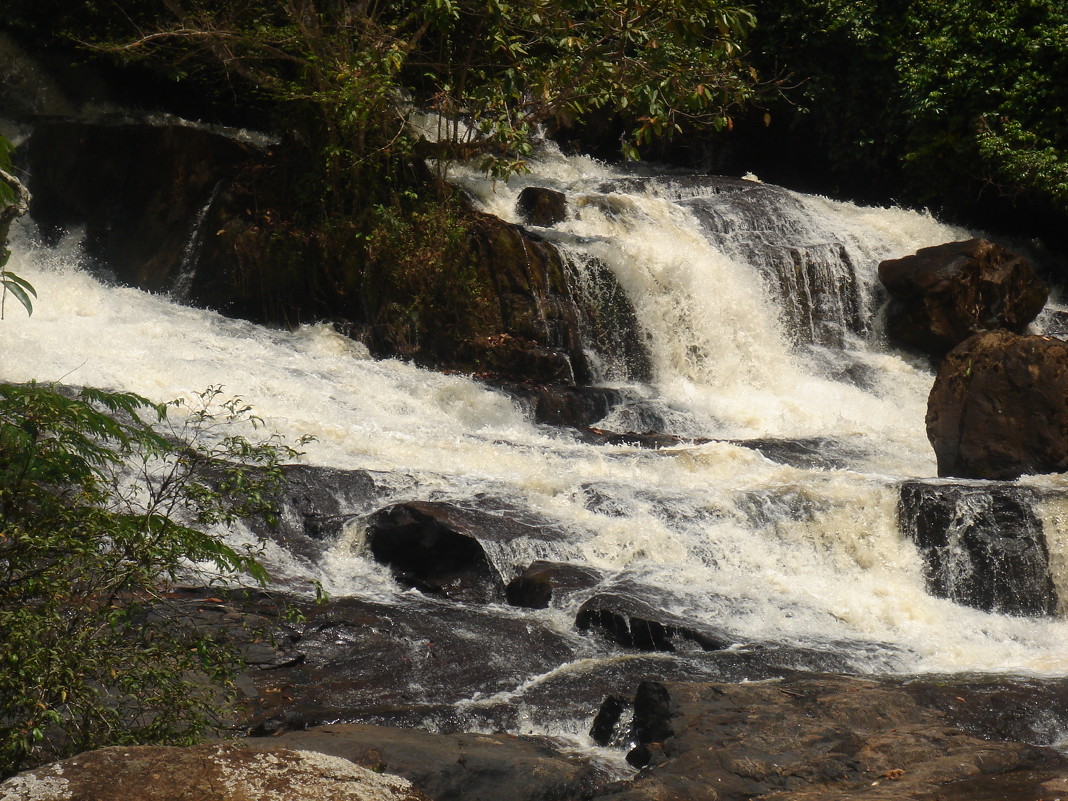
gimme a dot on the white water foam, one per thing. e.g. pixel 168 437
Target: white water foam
pixel 773 553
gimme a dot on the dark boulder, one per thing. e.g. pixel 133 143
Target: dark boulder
pixel 492 767
pixel 540 206
pixel 432 547
pixel 438 547
pixel 818 737
pixel 999 407
pixel 536 586
pixel 634 623
pixel 983 545
pixel 942 295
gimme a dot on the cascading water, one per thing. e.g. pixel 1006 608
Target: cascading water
pixel 769 554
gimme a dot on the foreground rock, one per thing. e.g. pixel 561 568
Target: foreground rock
pixel 218 772
pixel 942 295
pixel 820 738
pixel 494 767
pixel 983 545
pixel 999 407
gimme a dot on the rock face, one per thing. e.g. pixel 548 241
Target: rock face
pixel 999 407
pixel 942 295
pixel 819 738
pixel 137 189
pixel 983 545
pixel 219 772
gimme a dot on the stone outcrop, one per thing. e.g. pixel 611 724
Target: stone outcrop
pixel 983 545
pixel 218 772
pixel 942 295
pixel 819 738
pixel 633 623
pixel 539 584
pixel 999 407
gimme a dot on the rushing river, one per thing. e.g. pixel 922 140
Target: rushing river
pixel 802 557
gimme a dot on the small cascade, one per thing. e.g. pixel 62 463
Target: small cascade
pixel 983 545
pixel 187 265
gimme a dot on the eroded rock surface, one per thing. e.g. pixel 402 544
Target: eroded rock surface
pixel 472 767
pixel 999 407
pixel 218 772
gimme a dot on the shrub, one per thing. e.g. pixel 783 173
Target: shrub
pixel 104 504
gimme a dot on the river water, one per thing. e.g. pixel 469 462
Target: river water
pixel 806 557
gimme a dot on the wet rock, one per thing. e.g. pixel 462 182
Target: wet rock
pixel 405 663
pixel 219 772
pixel 437 548
pixel 983 545
pixel 430 547
pixel 137 189
pixel 536 586
pixel 633 623
pixel 816 737
pixel 540 206
pixel 1007 708
pixel 490 767
pixel 942 295
pixel 808 453
pixel 999 407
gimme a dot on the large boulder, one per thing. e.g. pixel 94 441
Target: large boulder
pixel 218 772
pixel 942 295
pixel 999 407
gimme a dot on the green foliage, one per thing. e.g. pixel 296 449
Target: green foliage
pixel 344 75
pixel 104 504
pixel 944 98
pixel 13 203
pixel 424 279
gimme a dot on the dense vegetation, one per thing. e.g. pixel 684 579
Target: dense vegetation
pixel 958 105
pixel 103 506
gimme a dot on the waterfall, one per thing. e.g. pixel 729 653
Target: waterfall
pixel 752 335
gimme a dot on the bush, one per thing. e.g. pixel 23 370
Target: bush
pixel 940 103
pixel 104 504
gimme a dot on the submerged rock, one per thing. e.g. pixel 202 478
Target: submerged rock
pixel 942 295
pixel 218 772
pixel 999 407
pixel 983 545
